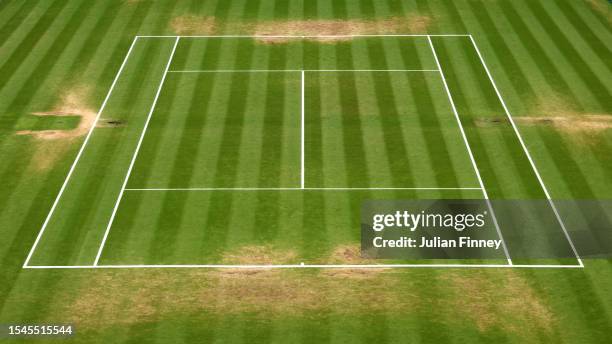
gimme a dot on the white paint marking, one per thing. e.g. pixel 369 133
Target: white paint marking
pixel 296 70
pixel 317 266
pixel 291 189
pixel 129 171
pixel 78 157
pixel 307 36
pixel 533 166
pixel 302 137
pixel 469 149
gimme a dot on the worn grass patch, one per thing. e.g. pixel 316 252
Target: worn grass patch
pixel 350 255
pixel 148 295
pixel 554 111
pixel 571 122
pixel 345 28
pixel 498 299
pixel 51 145
pixel 255 255
pixel 72 103
pixel 190 24
pixel 489 301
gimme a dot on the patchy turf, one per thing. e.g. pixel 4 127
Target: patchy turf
pixel 190 24
pixel 151 295
pixel 498 299
pixel 72 103
pixel 410 24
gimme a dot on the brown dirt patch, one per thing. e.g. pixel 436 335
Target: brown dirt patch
pixel 498 300
pixel 190 24
pixel 72 103
pixel 410 24
pixel 351 255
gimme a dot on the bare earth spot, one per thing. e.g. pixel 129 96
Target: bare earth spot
pixel 501 299
pixel 411 24
pixel 190 24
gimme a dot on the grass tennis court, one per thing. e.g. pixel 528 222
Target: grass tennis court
pixel 240 133
pixel 157 154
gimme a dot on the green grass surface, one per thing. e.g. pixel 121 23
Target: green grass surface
pixel 362 129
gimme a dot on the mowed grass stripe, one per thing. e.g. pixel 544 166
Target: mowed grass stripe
pixel 433 121
pixel 28 32
pixel 562 73
pixel 541 57
pixel 25 157
pixel 273 134
pixel 80 210
pixel 499 143
pixel 80 56
pixel 87 205
pixel 20 96
pixel 129 226
pixel 313 241
pixel 15 170
pixel 13 17
pixel 500 148
pixel 584 69
pixel 67 58
pixel 385 109
pixel 351 120
pixel 602 28
pixel 585 33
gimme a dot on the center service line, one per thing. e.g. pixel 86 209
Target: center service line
pixel 302 136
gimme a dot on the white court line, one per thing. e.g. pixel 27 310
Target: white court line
pixel 305 36
pixel 296 70
pixel 302 138
pixel 129 171
pixel 317 266
pixel 78 157
pixel 292 189
pixel 533 166
pixel 469 149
